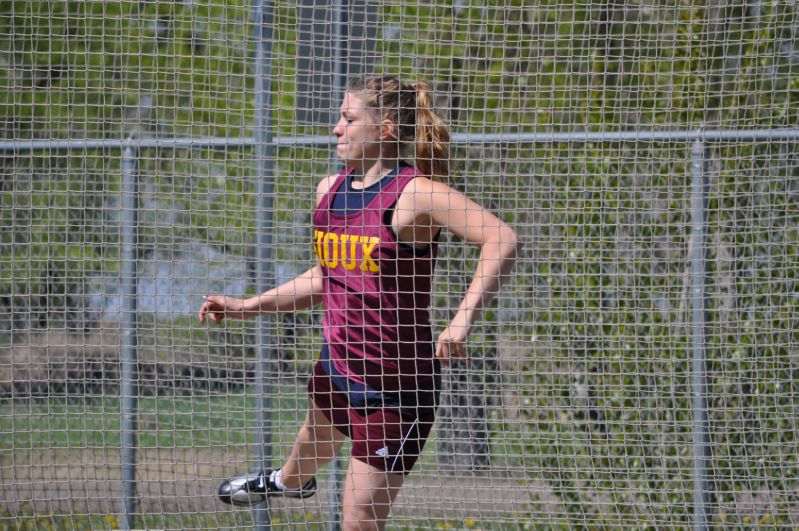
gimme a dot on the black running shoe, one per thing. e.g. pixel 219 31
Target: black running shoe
pixel 252 489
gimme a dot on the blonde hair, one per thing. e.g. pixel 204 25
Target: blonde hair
pixel 410 108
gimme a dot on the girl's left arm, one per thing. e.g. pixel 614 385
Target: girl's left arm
pixel 499 246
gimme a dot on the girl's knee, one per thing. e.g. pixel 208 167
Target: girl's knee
pixel 308 433
pixel 368 496
pixel 361 519
pixel 318 429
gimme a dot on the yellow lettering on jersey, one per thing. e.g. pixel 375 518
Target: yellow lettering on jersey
pixel 349 259
pixel 333 250
pixel 330 249
pixel 368 244
pixel 318 237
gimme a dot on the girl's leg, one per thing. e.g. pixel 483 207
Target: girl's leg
pixel 368 495
pixel 318 442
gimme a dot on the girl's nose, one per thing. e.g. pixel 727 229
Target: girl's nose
pixel 338 130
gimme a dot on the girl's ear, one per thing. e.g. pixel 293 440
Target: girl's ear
pixel 388 130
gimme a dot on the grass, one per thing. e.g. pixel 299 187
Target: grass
pixel 196 421
pixel 186 421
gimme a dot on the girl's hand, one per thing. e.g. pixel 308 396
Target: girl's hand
pixel 452 341
pixel 217 307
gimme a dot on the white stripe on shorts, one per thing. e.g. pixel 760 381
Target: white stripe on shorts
pixel 402 443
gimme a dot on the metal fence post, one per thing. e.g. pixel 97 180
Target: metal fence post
pixel 341 21
pixel 129 389
pixel 264 153
pixel 698 341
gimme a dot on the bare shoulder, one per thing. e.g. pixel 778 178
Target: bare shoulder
pixel 325 184
pixel 424 204
pixel 423 193
pixel 424 185
pixel 324 187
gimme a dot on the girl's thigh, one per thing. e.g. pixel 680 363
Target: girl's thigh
pixel 368 495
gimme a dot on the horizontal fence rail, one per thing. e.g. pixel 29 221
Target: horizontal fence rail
pixel 21 146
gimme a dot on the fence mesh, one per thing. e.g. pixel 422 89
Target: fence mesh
pixel 575 409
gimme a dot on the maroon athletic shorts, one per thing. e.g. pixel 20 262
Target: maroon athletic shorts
pixel 390 439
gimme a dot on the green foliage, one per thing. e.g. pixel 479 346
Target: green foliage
pixel 79 69
pixel 601 303
pixel 599 65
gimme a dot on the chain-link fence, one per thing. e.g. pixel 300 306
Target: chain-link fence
pixel 638 370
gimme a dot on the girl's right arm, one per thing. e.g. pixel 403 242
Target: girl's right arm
pixel 297 294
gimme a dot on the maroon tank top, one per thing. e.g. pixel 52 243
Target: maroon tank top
pixel 376 293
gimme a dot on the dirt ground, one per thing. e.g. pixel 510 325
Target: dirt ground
pixel 176 481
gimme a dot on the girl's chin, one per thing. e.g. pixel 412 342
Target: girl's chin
pixel 347 160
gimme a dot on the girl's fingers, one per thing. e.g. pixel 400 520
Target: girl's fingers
pixel 448 350
pixel 456 351
pixel 441 353
pixel 212 310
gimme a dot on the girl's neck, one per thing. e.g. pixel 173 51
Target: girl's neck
pixel 372 173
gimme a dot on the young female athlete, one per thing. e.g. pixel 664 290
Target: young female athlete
pixel 376 227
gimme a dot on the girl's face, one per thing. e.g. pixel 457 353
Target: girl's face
pixel 358 132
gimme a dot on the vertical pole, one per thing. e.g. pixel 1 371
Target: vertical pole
pixel 340 19
pixel 128 356
pixel 341 43
pixel 264 152
pixel 698 340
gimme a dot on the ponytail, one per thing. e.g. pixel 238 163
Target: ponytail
pixel 432 136
pixel 418 125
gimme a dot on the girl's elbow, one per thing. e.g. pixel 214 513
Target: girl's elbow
pixel 510 242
